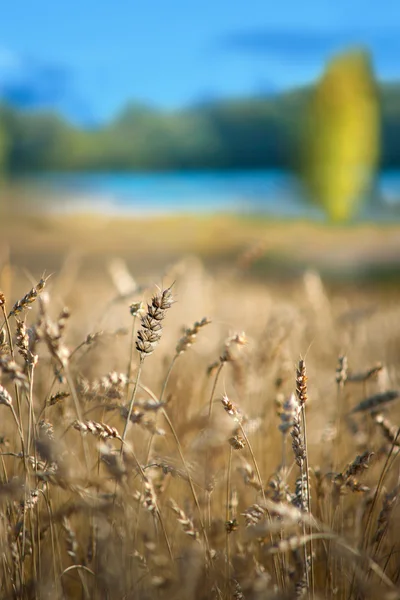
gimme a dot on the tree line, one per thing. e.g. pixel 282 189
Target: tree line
pixel 245 133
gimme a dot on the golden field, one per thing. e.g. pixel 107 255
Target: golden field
pixel 148 453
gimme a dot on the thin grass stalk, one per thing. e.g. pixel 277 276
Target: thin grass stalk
pixel 17 396
pixel 39 547
pixel 283 463
pixel 214 388
pixel 163 389
pixel 389 466
pixel 365 540
pixel 18 424
pixel 335 466
pixel 227 518
pixel 281 579
pixel 132 346
pixel 78 414
pixel 53 553
pixel 339 414
pixel 31 419
pixel 34 548
pixel 128 418
pixel 83 582
pixel 46 399
pixel 152 435
pixel 140 468
pixel 191 484
pixel 304 426
pixel 302 395
pixel 18 421
pixel 385 470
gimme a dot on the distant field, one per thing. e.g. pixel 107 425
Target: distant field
pixel 281 249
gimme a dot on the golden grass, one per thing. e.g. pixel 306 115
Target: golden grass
pixel 145 243
pixel 157 454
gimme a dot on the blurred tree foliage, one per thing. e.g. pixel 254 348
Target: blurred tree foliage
pixel 248 133
pixel 340 143
pixel 3 149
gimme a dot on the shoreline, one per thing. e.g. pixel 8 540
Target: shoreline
pixel 271 194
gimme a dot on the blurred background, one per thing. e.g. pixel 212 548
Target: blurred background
pixel 217 125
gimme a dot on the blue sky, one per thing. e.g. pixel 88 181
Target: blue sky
pixel 88 58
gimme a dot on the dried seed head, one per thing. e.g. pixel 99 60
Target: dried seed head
pixel 151 405
pixel 190 334
pixel 237 592
pixel 359 464
pixel 58 397
pixel 149 500
pixel 373 402
pixel 279 487
pixel 137 309
pixel 30 501
pixel 4 347
pixel 151 329
pixel 249 477
pixel 112 460
pixel 371 373
pixel 70 539
pixel 52 334
pixel 29 298
pixel 297 441
pixel 301 382
pixel 213 367
pixel 5 397
pixel 13 370
pixel 342 370
pixel 289 412
pixel 293 542
pixel 254 514
pixel 231 409
pixel 46 429
pixel 390 431
pixel 356 486
pixel 389 502
pixel 237 441
pixel 93 337
pixel 111 386
pixel 185 521
pixel 62 319
pixel 237 341
pixel 23 343
pixel 136 415
pixel 164 300
pixel 101 430
pixel 300 499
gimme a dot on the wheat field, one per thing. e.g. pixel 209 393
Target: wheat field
pixel 198 433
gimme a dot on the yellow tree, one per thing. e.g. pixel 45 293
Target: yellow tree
pixel 340 141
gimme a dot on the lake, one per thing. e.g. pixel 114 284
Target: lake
pixel 272 192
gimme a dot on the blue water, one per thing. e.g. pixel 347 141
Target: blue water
pixel 276 193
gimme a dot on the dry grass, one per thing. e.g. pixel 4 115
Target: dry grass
pixel 160 452
pixel 144 243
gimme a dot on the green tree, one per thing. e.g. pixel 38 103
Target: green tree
pixel 3 148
